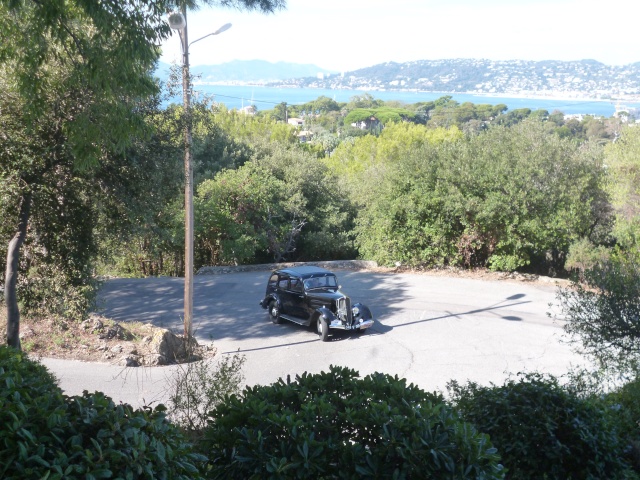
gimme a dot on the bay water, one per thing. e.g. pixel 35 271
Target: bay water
pixel 266 98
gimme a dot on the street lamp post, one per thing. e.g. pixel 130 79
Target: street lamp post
pixel 178 21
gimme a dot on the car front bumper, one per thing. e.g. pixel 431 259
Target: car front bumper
pixel 338 325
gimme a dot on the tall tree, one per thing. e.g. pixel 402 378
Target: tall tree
pixel 71 72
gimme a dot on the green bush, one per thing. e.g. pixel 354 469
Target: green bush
pixel 337 425
pixel 600 315
pixel 624 408
pixel 45 434
pixel 541 430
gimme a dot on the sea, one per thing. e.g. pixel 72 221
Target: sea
pixel 265 98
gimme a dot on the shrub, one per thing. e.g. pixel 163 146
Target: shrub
pixel 46 434
pixel 584 255
pixel 624 408
pixel 601 315
pixel 196 388
pixel 542 431
pixel 337 425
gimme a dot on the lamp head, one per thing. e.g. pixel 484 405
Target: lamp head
pixel 223 28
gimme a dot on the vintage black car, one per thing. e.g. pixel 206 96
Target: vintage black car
pixel 311 296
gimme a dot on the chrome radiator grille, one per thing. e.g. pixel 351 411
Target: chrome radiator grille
pixel 343 307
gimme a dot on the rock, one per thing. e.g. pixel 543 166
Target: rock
pixel 26 333
pixel 93 323
pixel 116 331
pixel 154 359
pixel 129 361
pixel 172 347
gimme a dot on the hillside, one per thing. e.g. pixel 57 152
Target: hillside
pixel 245 71
pixel 584 78
pixel 581 78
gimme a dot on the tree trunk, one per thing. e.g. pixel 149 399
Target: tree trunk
pixel 11 274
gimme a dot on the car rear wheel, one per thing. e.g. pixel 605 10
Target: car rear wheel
pixel 323 328
pixel 274 312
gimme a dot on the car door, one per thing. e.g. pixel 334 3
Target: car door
pixel 291 294
pixel 297 297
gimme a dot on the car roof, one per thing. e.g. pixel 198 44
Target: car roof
pixel 306 271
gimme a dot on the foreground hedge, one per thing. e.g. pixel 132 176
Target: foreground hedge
pixel 543 431
pixel 45 434
pixel 337 425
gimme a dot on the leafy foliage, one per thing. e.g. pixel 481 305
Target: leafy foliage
pixel 281 205
pixel 71 75
pixel 58 246
pixel 623 406
pixel 541 430
pixel 46 434
pixel 602 315
pixel 497 199
pixel 337 425
pixel 105 52
pixel 623 163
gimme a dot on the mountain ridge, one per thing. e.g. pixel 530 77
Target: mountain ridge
pixel 248 71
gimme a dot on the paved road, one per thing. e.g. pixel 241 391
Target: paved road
pixel 429 330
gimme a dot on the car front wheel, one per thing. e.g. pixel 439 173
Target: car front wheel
pixel 323 328
pixel 274 312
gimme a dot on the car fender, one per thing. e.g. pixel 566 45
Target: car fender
pixel 326 313
pixel 267 300
pixel 364 312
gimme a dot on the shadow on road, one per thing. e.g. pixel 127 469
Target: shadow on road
pixel 226 306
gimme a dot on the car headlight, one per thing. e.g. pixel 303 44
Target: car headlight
pixel 356 311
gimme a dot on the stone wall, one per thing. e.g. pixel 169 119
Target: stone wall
pixel 329 265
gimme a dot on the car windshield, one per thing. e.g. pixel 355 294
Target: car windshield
pixel 324 281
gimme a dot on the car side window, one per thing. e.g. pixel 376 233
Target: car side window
pixel 273 281
pixel 296 284
pixel 283 283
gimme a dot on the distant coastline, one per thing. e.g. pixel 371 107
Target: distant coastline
pixel 552 96
pixel 517 83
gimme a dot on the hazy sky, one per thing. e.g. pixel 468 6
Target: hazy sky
pixel 344 35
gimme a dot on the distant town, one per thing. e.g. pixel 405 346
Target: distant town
pixel 584 79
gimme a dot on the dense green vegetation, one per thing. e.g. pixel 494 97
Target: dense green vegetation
pixel 333 424
pixel 463 185
pixel 337 425
pixel 46 434
pixel 542 430
pixel 442 184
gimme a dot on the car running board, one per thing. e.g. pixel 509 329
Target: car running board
pixel 295 320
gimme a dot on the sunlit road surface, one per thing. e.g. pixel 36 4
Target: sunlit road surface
pixel 428 329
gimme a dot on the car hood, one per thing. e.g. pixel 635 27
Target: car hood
pixel 325 295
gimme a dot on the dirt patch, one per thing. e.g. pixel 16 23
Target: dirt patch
pixel 99 339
